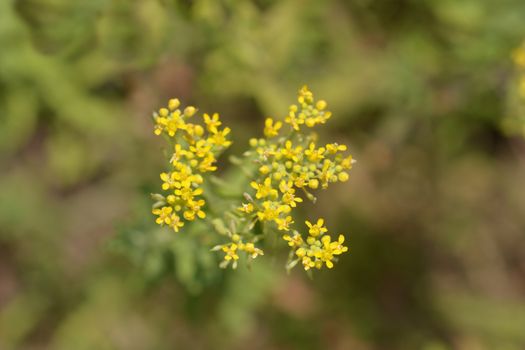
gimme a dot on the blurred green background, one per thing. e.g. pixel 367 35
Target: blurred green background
pixel 423 92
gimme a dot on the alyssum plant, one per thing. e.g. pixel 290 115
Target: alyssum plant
pixel 290 164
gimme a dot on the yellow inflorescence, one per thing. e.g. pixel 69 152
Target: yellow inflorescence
pixel 195 148
pixel 237 245
pixel 290 165
pixel 318 249
pixel 307 112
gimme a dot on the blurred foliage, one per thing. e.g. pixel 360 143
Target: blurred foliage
pixel 422 90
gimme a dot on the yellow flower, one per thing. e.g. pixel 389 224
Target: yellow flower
pixel 317 228
pixel 164 214
pixel 286 186
pixel 327 173
pixel 337 246
pixel 290 199
pixel 194 208
pixel 294 241
pixel 169 180
pixel 305 96
pixel 252 250
pixel 291 153
pixel 246 208
pixel 329 249
pixel 265 189
pixel 347 162
pixel 231 252
pixel 335 147
pixel 174 123
pixel 201 149
pixel 271 211
pixel 308 263
pixel 212 122
pixel 219 138
pixel 292 119
pixel 193 131
pixel 301 252
pixel 283 224
pixel 160 125
pixel 176 223
pixel 271 129
pixel 313 154
pixel 285 161
pixel 178 154
pixel 300 180
pixel 207 164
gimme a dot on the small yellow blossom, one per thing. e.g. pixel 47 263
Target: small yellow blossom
pixel 270 211
pixel 291 152
pixel 164 214
pixel 294 241
pixel 246 208
pixel 207 164
pixel 317 228
pixel 265 189
pixel 314 154
pixel 252 250
pixel 231 252
pixel 219 138
pixel 194 208
pixel 201 149
pixel 212 122
pixel 271 128
pixel 335 147
pixel 166 217
pixel 283 224
pixel 290 199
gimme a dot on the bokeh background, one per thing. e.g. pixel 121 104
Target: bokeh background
pixel 424 92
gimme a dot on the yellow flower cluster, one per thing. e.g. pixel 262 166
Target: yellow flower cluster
pixel 307 112
pixel 231 250
pixel 317 250
pixel 290 165
pixel 195 148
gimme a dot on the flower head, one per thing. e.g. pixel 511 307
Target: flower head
pixel 271 128
pixel 284 166
pixel 195 152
